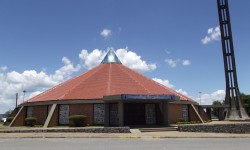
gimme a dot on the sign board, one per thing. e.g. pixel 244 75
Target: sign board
pixel 147 97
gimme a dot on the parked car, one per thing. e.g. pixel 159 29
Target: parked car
pixel 4 119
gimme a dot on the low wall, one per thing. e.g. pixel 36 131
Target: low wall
pixel 216 128
pixel 86 130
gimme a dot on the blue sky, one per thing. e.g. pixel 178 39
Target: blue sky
pixel 43 43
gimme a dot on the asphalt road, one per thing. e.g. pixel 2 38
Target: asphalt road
pixel 125 144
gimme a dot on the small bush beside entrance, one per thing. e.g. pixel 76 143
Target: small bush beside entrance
pixel 30 121
pixel 77 121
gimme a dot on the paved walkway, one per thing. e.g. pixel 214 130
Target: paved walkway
pixel 167 134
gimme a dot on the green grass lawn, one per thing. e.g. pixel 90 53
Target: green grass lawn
pixel 1 125
pixel 94 126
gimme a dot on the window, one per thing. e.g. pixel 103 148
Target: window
pixel 29 111
pixel 64 114
pixel 185 112
pixel 99 113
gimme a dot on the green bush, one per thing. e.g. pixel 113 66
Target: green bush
pixel 30 121
pixel 9 119
pixel 181 120
pixel 77 121
pixel 192 122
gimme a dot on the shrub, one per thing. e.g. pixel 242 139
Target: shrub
pixel 181 120
pixel 9 119
pixel 30 121
pixel 77 121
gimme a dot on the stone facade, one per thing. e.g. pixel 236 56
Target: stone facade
pixel 216 128
pixel 85 130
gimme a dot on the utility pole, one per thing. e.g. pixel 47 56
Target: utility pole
pixel 200 97
pixel 16 99
pixel 24 94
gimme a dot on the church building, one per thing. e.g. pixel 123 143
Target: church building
pixel 111 95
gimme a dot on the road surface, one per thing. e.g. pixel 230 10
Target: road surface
pixel 125 144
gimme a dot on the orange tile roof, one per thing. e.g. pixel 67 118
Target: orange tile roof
pixel 103 80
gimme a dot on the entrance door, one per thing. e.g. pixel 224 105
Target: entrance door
pixel 64 114
pixel 113 115
pixel 134 114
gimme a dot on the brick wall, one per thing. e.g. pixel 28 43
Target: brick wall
pixel 41 113
pixel 192 114
pixel 203 114
pixel 174 112
pixel 14 112
pixel 82 109
pixel 54 118
pixel 194 117
pixel 20 120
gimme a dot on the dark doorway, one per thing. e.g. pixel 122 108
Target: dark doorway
pixel 134 114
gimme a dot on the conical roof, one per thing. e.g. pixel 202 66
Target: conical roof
pixel 108 78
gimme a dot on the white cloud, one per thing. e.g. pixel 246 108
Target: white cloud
pixel 174 62
pixel 134 61
pixel 3 68
pixel 186 62
pixel 34 94
pixel 207 99
pixel 182 92
pixel 167 52
pixel 127 57
pixel 212 34
pixel 204 98
pixel 32 81
pixel 106 33
pixel 168 84
pixel 65 71
pixel 91 59
pixel 164 82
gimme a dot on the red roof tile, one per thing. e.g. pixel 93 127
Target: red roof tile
pixel 103 80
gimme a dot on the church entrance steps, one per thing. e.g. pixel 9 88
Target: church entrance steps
pixel 156 129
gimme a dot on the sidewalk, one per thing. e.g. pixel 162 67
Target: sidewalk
pixel 135 134
pixel 167 134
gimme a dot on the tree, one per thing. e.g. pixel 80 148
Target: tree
pixel 215 111
pixel 8 113
pixel 246 102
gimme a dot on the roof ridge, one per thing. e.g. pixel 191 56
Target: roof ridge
pixel 97 68
pixel 133 78
pixel 109 80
